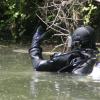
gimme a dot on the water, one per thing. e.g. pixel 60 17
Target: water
pixel 18 80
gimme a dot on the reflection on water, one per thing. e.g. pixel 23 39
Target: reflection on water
pixel 18 81
pixel 15 74
pixel 48 86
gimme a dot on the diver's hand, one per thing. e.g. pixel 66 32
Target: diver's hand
pixel 40 32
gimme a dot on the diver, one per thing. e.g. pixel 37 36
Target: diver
pixel 80 60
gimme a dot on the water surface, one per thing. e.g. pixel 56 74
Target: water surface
pixel 18 80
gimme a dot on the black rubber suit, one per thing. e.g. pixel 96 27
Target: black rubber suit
pixel 79 61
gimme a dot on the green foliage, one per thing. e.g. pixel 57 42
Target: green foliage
pixel 91 17
pixel 51 17
pixel 16 17
pixel 88 10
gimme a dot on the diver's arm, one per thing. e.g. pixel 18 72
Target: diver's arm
pixel 40 64
pixel 36 54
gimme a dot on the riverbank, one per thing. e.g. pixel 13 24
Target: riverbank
pixel 23 48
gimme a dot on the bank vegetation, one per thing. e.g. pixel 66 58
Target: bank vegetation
pixel 20 18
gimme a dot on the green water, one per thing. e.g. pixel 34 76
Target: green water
pixel 18 80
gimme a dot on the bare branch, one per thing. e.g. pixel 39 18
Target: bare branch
pixel 62 16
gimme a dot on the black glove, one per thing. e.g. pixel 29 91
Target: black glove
pixel 38 36
pixel 41 30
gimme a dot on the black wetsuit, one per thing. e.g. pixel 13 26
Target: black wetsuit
pixel 77 61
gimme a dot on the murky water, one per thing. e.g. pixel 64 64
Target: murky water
pixel 18 81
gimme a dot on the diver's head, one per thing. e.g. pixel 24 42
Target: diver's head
pixel 83 37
